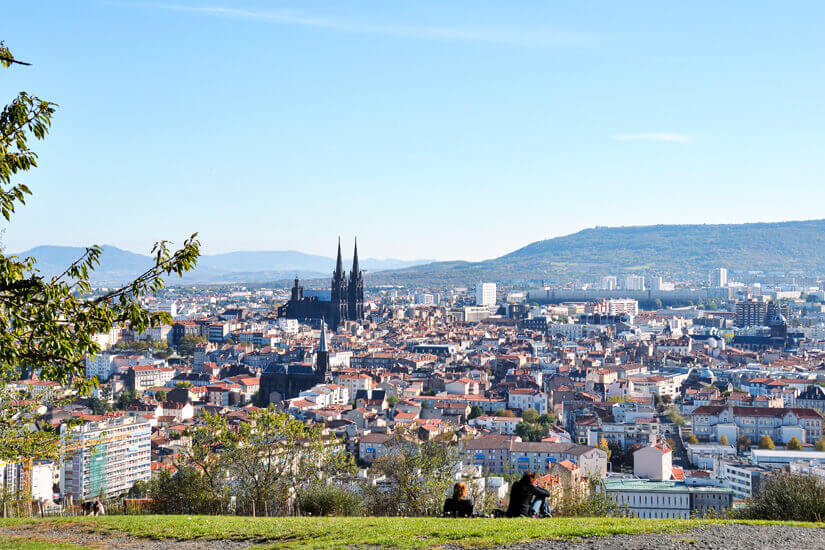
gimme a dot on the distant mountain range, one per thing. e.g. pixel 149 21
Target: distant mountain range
pixel 118 265
pixel 688 251
pixel 679 250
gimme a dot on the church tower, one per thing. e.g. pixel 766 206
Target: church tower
pixel 322 356
pixel 355 290
pixel 338 295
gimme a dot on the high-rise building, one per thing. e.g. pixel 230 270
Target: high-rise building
pixel 608 282
pixel 751 313
pixel 105 458
pixel 486 294
pixel 634 282
pixel 719 277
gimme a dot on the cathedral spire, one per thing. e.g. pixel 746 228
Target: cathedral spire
pixel 355 268
pixel 339 266
pixel 322 345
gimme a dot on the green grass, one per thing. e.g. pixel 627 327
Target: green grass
pixel 36 543
pixel 384 532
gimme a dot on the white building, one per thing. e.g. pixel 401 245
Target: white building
pixel 719 277
pixel 105 458
pixel 634 282
pixel 486 294
pixel 608 282
pixel 526 398
pixel 653 462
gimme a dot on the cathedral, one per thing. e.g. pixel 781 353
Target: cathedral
pixel 286 380
pixel 346 301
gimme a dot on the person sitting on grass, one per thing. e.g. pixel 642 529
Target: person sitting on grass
pixel 459 506
pixel 528 499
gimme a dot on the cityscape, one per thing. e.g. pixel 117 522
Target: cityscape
pixel 411 275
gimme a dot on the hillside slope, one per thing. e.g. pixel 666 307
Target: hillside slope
pixel 668 249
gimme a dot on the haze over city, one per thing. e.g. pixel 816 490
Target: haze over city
pixel 431 130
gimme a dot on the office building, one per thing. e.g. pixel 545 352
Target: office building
pixel 486 294
pixel 719 277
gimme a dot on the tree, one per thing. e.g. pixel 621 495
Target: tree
pixel 794 444
pixel 605 446
pixel 675 416
pixel 126 398
pixel 476 411
pixel 724 440
pixel 531 432
pixel 419 474
pixel 49 323
pixel 392 401
pixel 657 303
pixel 547 419
pixel 160 395
pixel 188 343
pixel 530 415
pixel 765 442
pixel 98 406
pixel 693 440
pixel 743 442
pixel 820 444
pixel 504 412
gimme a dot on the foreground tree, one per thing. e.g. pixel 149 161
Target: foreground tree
pixel 417 475
pixel 48 323
pixel 267 460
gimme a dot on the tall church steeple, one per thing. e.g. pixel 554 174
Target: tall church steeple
pixel 339 265
pixel 355 268
pixel 339 293
pixel 355 289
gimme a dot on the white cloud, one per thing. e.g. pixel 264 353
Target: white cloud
pixel 493 35
pixel 654 136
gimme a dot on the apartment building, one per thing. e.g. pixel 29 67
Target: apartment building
pixel 142 377
pixel 781 424
pixel 105 458
pixel 507 454
pixel 526 398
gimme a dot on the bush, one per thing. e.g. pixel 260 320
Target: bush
pixel 766 442
pixel 789 497
pixel 330 500
pixel 794 444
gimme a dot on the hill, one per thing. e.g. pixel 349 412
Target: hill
pixel 683 250
pixel 117 265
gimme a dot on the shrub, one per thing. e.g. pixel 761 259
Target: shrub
pixel 329 500
pixel 789 497
pixel 794 444
pixel 693 440
pixel 724 440
pixel 766 442
pixel 820 444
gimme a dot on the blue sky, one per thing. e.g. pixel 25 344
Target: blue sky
pixel 429 129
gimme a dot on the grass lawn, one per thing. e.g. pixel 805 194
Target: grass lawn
pixel 324 532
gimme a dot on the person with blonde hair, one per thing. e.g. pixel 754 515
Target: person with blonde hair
pixel 458 506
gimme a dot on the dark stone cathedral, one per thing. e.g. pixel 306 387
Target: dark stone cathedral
pixel 285 380
pixel 346 301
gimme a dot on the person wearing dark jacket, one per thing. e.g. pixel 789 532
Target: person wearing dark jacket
pixel 459 506
pixel 524 496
